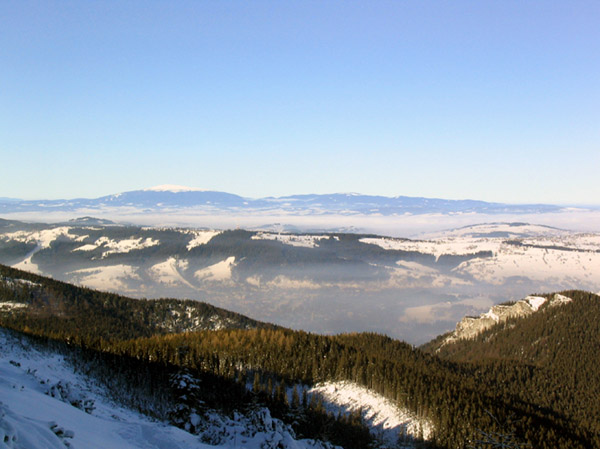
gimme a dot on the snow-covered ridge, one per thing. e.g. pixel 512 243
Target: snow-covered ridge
pixel 453 246
pixel 306 241
pixel 387 421
pixel 505 230
pixel 173 188
pixel 470 327
pixel 117 247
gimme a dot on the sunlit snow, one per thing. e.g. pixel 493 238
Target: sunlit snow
pixel 221 271
pixel 307 241
pixel 169 272
pixel 387 420
pixel 201 238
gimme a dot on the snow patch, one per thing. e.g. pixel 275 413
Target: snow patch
pixel 306 241
pixel 201 238
pixel 117 247
pixel 535 302
pixel 169 272
pixel 107 277
pixel 388 421
pixel 558 300
pixel 9 305
pixel 221 271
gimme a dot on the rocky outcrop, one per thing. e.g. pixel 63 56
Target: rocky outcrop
pixel 470 327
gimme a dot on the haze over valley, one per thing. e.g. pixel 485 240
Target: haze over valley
pixel 327 282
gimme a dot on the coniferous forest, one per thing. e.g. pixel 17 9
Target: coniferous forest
pixel 533 379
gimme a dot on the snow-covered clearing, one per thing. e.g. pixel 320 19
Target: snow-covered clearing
pixel 106 277
pixel 43 238
pixel 306 241
pixel 570 269
pixel 221 271
pixel 169 272
pixel 9 305
pixel 388 422
pixel 458 246
pixel 201 238
pixel 117 247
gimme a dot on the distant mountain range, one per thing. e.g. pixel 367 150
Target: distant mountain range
pixel 162 198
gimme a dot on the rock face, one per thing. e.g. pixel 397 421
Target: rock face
pixel 470 327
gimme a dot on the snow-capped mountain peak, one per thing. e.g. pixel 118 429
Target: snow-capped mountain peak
pixel 173 188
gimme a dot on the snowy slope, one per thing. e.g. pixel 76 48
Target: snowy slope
pixel 31 418
pixel 44 404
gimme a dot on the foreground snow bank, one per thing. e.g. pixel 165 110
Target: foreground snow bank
pixel 44 404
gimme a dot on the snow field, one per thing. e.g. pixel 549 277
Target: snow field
pixel 458 246
pixel 572 269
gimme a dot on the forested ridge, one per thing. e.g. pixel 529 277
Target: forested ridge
pixel 533 378
pixel 59 310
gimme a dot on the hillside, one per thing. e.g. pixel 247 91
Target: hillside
pixel 36 301
pixel 541 401
pixel 554 350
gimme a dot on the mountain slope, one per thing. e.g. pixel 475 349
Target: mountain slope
pixel 51 399
pixel 450 399
pixel 28 298
pixel 552 351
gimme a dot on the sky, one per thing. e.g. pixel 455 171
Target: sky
pixel 488 100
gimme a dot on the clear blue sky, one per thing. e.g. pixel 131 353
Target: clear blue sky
pixel 492 100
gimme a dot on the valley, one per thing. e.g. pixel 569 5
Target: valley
pixel 411 289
